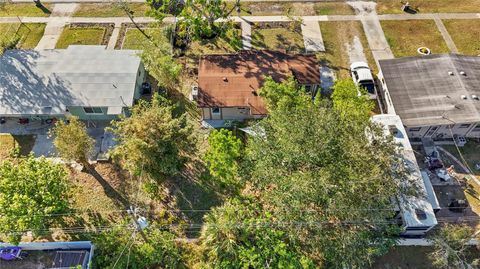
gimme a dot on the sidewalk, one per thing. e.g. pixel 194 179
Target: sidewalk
pixel 54 28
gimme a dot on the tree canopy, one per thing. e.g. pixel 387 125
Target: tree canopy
pixel 450 248
pixel 317 168
pixel 72 140
pixel 196 19
pixel 155 140
pixel 123 248
pixel 31 190
pixel 222 155
pixel 241 234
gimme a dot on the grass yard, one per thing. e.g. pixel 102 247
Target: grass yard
pixel 430 6
pixel 471 153
pixel 80 36
pixel 26 10
pixel 216 45
pixel 9 142
pixel 335 36
pixel 465 34
pixel 293 8
pixel 405 37
pixel 135 40
pixel 29 33
pixel 109 10
pixel 278 39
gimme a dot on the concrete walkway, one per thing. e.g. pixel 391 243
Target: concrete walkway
pixel 312 36
pixel 113 39
pixel 446 36
pixel 54 27
pixel 246 35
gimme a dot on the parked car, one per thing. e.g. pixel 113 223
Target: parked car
pixel 362 77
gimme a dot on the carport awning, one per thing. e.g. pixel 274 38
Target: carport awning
pixel 114 110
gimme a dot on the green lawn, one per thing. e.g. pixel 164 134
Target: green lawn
pixel 135 40
pixel 430 6
pixel 278 39
pixel 405 37
pixel 27 10
pixel 29 34
pixel 109 10
pixel 292 8
pixel 80 36
pixel 335 36
pixel 9 142
pixel 465 34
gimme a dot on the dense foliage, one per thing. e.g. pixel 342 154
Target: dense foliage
pixel 195 19
pixel 31 191
pixel 72 140
pixel 222 156
pixel 124 248
pixel 155 140
pixel 243 235
pixel 450 248
pixel 318 170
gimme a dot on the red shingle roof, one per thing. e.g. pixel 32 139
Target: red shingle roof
pixel 231 80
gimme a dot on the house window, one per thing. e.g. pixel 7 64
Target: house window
pixel 92 110
pixel 416 129
pixel 464 126
pixel 216 110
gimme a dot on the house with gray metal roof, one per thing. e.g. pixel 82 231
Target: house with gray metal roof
pixel 90 82
pixel 436 96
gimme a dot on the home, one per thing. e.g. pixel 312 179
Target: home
pixel 90 82
pixel 228 84
pixel 415 213
pixel 436 96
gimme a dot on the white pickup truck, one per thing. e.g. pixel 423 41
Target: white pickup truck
pixel 362 77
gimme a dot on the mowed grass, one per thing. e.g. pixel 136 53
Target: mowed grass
pixel 135 40
pixel 10 142
pixel 405 37
pixel 278 39
pixel 465 34
pixel 336 36
pixel 80 36
pixel 430 6
pixel 26 10
pixel 109 10
pixel 29 33
pixel 292 8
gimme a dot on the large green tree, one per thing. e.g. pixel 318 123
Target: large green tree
pixel 222 156
pixel 195 19
pixel 155 141
pixel 324 176
pixel 32 192
pixel 240 234
pixel 72 140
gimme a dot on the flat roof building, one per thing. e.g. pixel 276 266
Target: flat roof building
pixel 435 95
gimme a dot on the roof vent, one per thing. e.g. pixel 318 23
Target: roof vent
pixel 464 97
pixel 225 79
pixel 475 97
pixel 463 73
pixel 255 93
pixel 450 73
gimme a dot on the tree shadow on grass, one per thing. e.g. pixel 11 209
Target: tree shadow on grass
pixel 43 8
pixel 196 194
pixel 113 194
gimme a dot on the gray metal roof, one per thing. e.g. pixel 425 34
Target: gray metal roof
pixel 424 93
pixel 48 81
